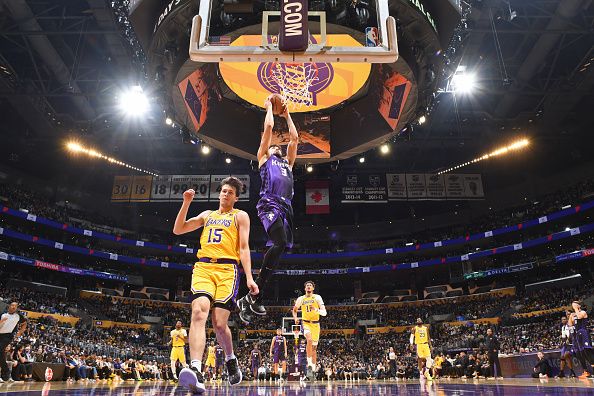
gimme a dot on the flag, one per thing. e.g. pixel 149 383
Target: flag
pixel 317 197
pixel 219 41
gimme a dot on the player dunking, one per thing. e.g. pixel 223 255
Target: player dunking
pixel 215 278
pixel 420 337
pixel 274 208
pixel 278 353
pixel 312 307
pixel 256 359
pixel 179 337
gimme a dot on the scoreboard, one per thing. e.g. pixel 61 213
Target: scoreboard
pixel 170 188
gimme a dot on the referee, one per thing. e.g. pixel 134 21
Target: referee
pixel 8 324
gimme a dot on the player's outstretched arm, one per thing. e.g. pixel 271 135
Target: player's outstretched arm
pixel 243 222
pixel 296 307
pixel 267 134
pixel 293 138
pixel 182 225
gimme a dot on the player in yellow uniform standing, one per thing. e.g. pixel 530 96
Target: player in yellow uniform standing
pixel 179 337
pixel 210 360
pixel 420 338
pixel 312 307
pixel 215 278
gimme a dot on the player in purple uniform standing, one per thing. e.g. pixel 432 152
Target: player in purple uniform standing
pixel 278 352
pixel 256 359
pixel 274 208
pixel 582 344
pixel 302 358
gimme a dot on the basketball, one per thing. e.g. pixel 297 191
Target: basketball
pixel 278 106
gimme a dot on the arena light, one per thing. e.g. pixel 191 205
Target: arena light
pixel 361 160
pixel 168 121
pixel 422 120
pixel 517 145
pixel 385 148
pixel 228 160
pixel 205 150
pixel 309 168
pixel 462 81
pixel 77 148
pixel 133 101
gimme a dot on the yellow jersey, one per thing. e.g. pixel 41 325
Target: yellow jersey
pixel 310 307
pixel 211 352
pixel 421 335
pixel 178 337
pixel 220 236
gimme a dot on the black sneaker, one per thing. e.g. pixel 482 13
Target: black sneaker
pixel 192 379
pixel 255 306
pixel 234 372
pixel 244 310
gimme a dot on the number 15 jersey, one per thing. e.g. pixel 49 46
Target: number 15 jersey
pixel 220 236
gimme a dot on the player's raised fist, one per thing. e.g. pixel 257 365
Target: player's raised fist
pixel 268 103
pixel 189 195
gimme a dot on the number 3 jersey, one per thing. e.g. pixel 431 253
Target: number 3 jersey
pixel 277 178
pixel 220 236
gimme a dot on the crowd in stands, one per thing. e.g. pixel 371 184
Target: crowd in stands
pixel 19 197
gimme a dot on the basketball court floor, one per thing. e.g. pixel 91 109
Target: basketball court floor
pixel 337 388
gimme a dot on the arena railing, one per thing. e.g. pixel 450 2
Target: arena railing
pixel 352 254
pixel 548 239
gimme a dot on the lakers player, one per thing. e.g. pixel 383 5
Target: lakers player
pixel 312 307
pixel 215 278
pixel 209 366
pixel 179 337
pixel 420 337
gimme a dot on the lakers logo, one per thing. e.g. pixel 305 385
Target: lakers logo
pixel 329 84
pixel 273 76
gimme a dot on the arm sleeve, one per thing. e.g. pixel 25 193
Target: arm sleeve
pixel 322 311
pixel 299 302
pixel 412 338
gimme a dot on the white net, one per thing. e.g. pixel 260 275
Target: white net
pixel 294 81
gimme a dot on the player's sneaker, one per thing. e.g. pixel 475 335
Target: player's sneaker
pixel 192 379
pixel 235 375
pixel 245 314
pixel 255 305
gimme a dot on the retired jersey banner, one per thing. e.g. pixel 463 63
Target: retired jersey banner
pixel 364 188
pixel 170 188
pixel 317 197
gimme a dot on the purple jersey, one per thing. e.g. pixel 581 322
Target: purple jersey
pixel 219 355
pixel 255 358
pixel 581 340
pixel 277 178
pixel 302 353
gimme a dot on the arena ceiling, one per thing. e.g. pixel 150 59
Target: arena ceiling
pixel 62 63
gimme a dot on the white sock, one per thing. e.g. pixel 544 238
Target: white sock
pixel 309 361
pixel 232 356
pixel 196 363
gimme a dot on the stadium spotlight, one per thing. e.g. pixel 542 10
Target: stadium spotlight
pixel 361 159
pixel 463 81
pixel 133 102
pixel 205 149
pixel 422 120
pixel 385 148
pixel 228 160
pixel 309 168
pixel 168 121
pixel 74 147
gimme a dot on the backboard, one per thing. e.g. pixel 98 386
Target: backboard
pixel 294 31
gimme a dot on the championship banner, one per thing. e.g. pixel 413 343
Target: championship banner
pixel 464 186
pixel 435 185
pixel 364 188
pixel 415 186
pixel 317 197
pixel 396 186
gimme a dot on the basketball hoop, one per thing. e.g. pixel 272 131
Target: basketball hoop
pixel 296 332
pixel 294 81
